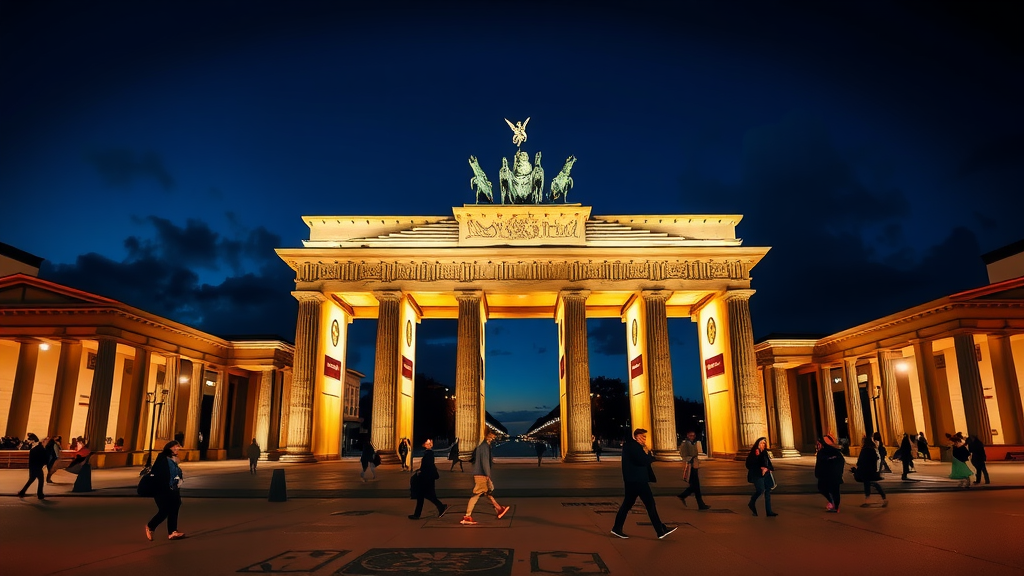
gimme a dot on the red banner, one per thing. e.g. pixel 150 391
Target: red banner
pixel 561 367
pixel 715 366
pixel 406 368
pixel 636 366
pixel 332 368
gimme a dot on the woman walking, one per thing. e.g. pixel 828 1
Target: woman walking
pixel 368 460
pixel 867 472
pixel 168 497
pixel 883 466
pixel 426 476
pixel 54 456
pixel 403 454
pixel 453 455
pixel 759 473
pixel 978 458
pixel 960 471
pixel 828 469
pixel 906 456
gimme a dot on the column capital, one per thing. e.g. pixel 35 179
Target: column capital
pixel 469 295
pixel 656 294
pixel 574 294
pixel 738 294
pixel 302 295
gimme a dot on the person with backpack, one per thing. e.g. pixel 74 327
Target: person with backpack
pixel 828 469
pixel 867 471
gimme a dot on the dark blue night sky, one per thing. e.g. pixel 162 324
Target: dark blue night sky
pixel 157 153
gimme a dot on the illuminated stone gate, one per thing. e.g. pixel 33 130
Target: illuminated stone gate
pixel 554 261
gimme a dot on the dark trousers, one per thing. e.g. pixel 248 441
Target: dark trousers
pixel 167 509
pixel 830 490
pixel 640 490
pixel 694 487
pixel 427 492
pixel 454 462
pixel 33 475
pixel 885 467
pixel 252 465
pixel 878 487
pixel 759 489
pixel 982 469
pixel 908 465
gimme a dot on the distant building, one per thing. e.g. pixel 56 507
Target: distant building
pixel 15 261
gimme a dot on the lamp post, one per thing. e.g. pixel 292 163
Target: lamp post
pixel 874 404
pixel 158 406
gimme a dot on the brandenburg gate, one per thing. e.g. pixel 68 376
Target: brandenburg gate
pixel 525 257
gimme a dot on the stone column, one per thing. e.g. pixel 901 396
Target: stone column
pixel 24 381
pixel 854 410
pixel 891 397
pixel 659 378
pixel 262 432
pixel 764 376
pixel 752 419
pixel 384 434
pixel 1004 375
pixel 469 424
pixel 195 406
pixel 970 386
pixel 307 343
pixel 65 393
pixel 165 412
pixel 134 405
pixel 938 416
pixel 577 377
pixel 783 407
pixel 827 401
pixel 220 411
pixel 99 397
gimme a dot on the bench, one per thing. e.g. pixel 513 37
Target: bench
pixel 1015 456
pixel 18 459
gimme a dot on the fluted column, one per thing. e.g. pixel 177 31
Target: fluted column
pixel 891 394
pixel 262 433
pixel 659 379
pixel 1004 375
pixel 827 401
pixel 469 419
pixel 307 343
pixel 384 434
pixel 133 405
pixel 577 377
pixel 165 412
pixel 783 408
pixel 24 381
pixel 99 397
pixel 753 422
pixel 854 411
pixel 195 406
pixel 65 393
pixel 970 386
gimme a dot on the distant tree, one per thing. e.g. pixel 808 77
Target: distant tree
pixel 690 416
pixel 609 409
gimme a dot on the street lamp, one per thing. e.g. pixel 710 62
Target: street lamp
pixel 158 406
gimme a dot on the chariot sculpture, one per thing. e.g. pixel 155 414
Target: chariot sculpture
pixel 520 183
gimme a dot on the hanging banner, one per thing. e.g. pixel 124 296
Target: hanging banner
pixel 406 368
pixel 561 367
pixel 715 366
pixel 332 367
pixel 636 366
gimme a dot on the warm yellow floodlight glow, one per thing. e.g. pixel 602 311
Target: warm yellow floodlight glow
pixel 44 346
pixel 182 379
pixel 901 367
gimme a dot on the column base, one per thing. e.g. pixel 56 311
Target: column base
pixel 580 457
pixel 389 458
pixel 667 456
pixel 298 458
pixel 785 453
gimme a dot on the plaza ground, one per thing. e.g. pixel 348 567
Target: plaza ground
pixel 334 523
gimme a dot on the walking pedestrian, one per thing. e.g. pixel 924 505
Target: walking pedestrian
pixel 759 473
pixel 426 475
pixel 168 495
pixel 595 445
pixel 922 447
pixel 882 453
pixel 482 484
pixel 253 452
pixel 539 448
pixel 453 455
pixel 978 458
pixel 959 470
pixel 53 453
pixel 906 453
pixel 403 453
pixel 368 460
pixel 689 450
pixel 637 475
pixel 828 469
pixel 38 456
pixel 867 471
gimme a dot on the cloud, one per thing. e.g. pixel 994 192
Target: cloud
pixel 120 167
pixel 158 277
pixel 607 337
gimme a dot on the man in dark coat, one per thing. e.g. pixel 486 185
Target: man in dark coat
pixel 425 478
pixel 906 456
pixel 253 452
pixel 637 475
pixel 38 456
pixel 828 469
pixel 978 458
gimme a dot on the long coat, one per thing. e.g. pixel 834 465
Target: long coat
pixel 636 463
pixel 867 465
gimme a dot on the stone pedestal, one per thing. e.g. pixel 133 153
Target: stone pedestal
pixel 307 341
pixel 577 427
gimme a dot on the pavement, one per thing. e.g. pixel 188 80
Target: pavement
pixel 333 523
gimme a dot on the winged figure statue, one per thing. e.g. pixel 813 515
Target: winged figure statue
pixel 518 131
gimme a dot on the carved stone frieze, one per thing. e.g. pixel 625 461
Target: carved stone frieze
pixel 572 271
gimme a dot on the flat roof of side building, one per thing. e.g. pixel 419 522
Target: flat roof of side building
pixel 20 255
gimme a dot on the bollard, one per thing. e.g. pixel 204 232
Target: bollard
pixel 84 481
pixel 278 491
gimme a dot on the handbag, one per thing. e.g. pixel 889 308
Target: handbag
pixel 687 468
pixel 147 486
pixel 415 487
pixel 769 481
pixel 376 459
